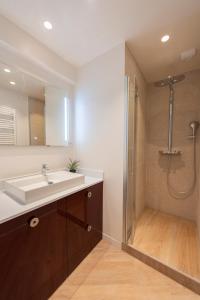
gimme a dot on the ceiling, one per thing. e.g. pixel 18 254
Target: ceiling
pixel 158 60
pixel 85 29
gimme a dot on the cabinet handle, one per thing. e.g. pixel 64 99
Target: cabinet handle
pixel 89 194
pixel 34 222
pixel 89 228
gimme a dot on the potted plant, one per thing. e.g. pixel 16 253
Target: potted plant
pixel 73 165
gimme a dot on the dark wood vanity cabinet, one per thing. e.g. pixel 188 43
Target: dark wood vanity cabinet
pixel 84 223
pixel 35 258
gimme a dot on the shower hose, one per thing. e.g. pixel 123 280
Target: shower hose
pixel 182 194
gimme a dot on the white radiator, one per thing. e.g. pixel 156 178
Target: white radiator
pixel 7 125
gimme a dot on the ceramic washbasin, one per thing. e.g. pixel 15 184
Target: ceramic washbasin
pixel 32 188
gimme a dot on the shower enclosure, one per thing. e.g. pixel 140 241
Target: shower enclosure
pixel 162 206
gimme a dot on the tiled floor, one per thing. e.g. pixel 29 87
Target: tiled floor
pixel 172 240
pixel 111 274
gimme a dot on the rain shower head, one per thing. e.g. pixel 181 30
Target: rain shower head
pixel 170 80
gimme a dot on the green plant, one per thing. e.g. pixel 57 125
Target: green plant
pixel 73 165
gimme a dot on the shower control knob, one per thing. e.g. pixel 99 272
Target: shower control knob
pixel 33 222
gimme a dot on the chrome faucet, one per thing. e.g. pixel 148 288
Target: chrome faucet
pixel 44 173
pixel 44 170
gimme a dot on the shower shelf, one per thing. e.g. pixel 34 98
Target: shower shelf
pixel 172 152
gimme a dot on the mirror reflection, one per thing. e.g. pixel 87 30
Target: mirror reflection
pixel 31 111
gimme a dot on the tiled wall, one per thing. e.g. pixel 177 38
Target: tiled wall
pixel 187 109
pixel 198 212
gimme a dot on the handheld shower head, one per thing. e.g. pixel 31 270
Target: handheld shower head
pixel 194 126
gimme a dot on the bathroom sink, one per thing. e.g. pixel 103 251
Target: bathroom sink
pixel 32 188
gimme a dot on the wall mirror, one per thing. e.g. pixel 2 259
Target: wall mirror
pixel 32 111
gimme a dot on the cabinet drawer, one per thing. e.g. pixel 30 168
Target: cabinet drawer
pixel 23 220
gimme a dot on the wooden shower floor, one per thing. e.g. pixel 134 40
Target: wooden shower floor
pixel 172 240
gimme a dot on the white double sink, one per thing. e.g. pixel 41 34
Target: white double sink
pixel 32 188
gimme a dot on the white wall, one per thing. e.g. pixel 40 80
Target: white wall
pixel 20 104
pixel 99 129
pixel 16 161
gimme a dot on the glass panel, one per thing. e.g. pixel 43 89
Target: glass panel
pixel 131 139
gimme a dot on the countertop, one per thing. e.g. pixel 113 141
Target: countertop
pixel 10 209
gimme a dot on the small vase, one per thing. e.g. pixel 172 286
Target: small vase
pixel 72 171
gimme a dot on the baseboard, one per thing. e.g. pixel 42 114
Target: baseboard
pixel 112 241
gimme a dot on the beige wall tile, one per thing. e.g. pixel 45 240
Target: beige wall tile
pixel 187 108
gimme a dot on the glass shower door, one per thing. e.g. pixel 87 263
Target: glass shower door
pixel 129 184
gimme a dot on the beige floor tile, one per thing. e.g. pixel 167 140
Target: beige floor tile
pixel 170 239
pixel 111 274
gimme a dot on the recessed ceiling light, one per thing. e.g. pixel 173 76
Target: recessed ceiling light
pixel 7 70
pixel 47 25
pixel 165 38
pixel 12 82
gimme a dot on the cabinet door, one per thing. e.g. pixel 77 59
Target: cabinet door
pixel 95 213
pixel 86 207
pixel 78 238
pixel 33 260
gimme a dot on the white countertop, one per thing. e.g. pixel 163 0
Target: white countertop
pixel 10 209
